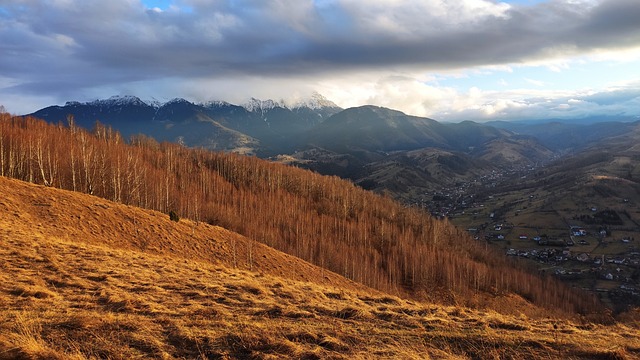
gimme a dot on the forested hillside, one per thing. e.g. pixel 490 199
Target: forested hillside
pixel 324 220
pixel 85 278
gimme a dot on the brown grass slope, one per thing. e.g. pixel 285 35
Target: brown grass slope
pixel 45 212
pixel 324 220
pixel 82 277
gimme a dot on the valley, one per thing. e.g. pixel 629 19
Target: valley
pixel 575 219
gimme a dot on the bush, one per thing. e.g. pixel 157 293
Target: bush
pixel 173 216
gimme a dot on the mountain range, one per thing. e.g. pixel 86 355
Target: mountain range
pixel 378 148
pixel 274 127
pixel 262 127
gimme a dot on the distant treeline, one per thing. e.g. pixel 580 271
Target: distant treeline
pixel 325 220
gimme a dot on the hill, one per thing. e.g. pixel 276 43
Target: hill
pixel 324 220
pixel 596 190
pixel 406 156
pixel 380 149
pixel 410 175
pixel 69 216
pixel 377 130
pixel 372 146
pixel 83 277
pixel 374 129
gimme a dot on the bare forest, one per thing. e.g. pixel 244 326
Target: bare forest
pixel 327 221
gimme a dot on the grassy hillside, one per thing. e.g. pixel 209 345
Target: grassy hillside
pixel 83 277
pixel 324 220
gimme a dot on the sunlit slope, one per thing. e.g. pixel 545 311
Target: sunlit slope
pixel 39 212
pixel 82 277
pixel 326 221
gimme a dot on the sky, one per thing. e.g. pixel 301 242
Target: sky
pixel 458 60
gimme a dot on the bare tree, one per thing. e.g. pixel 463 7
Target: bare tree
pixel 324 220
pixel 2 115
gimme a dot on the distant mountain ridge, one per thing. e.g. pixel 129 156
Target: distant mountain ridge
pixel 314 101
pixel 315 133
pixel 564 136
pixel 274 127
pixel 271 127
pixel 379 148
pixel 260 123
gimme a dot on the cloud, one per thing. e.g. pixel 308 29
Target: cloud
pixel 70 49
pixel 526 104
pixel 612 96
pixel 535 82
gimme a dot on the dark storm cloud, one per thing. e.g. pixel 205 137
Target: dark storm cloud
pixel 83 44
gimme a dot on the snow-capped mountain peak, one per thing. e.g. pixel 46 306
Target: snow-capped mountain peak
pixel 176 101
pixel 215 103
pixel 257 105
pixel 119 101
pixel 315 101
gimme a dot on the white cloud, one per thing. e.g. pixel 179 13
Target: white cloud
pixel 535 82
pixel 416 19
pixel 386 52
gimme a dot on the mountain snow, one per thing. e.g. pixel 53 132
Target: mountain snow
pixel 119 101
pixel 257 105
pixel 177 101
pixel 315 102
pixel 215 104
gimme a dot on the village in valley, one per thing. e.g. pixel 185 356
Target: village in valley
pixel 589 243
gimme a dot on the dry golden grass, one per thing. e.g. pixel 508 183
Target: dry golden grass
pixel 93 295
